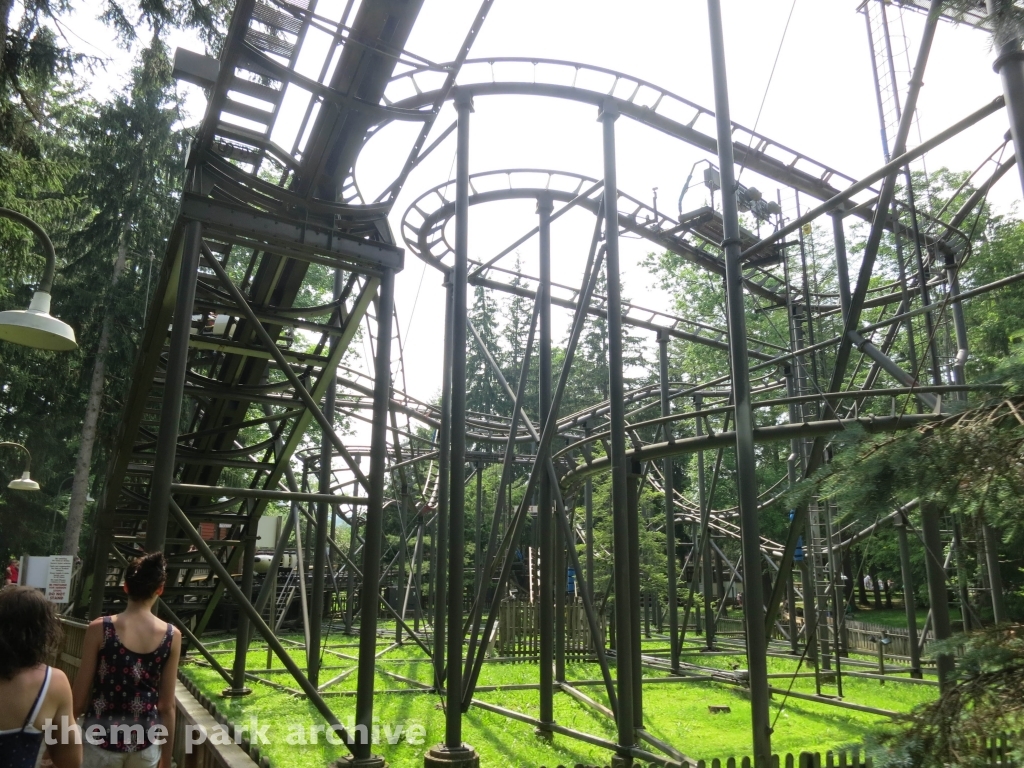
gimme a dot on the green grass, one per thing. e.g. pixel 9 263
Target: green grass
pixel 675 712
pixel 895 617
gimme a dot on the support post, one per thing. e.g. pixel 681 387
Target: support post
pixel 937 593
pixel 238 686
pixel 174 389
pixel 478 555
pixel 995 577
pixel 842 266
pixel 369 595
pixel 626 736
pixel 444 435
pixel 636 600
pixel 453 752
pixel 545 520
pixel 746 468
pixel 670 511
pixel 1009 64
pixel 704 554
pixel 588 512
pixel 908 595
pixel 316 609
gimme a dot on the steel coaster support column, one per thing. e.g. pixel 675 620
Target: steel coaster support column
pixel 350 604
pixel 961 573
pixel 545 520
pixel 810 613
pixel 636 597
pixel 670 512
pixel 478 555
pixel 959 322
pixel 174 390
pixel 842 266
pixel 417 615
pixel 561 582
pixel 453 752
pixel 995 578
pixel 746 468
pixel 440 558
pixel 238 686
pixel 937 594
pixel 316 610
pixel 300 562
pixel 908 595
pixel 588 512
pixel 626 736
pixel 1009 64
pixel 370 593
pixel 705 538
pixel 794 630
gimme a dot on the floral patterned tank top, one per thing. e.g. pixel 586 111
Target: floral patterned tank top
pixel 125 692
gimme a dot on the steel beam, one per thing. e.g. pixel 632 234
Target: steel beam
pixel 545 520
pixel 1009 64
pixel 372 539
pixel 625 720
pixel 746 465
pixel 938 595
pixel 174 385
pixel 908 594
pixel 670 508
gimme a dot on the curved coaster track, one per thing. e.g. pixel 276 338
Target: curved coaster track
pixel 249 381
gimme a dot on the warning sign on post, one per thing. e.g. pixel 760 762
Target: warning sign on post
pixel 58 584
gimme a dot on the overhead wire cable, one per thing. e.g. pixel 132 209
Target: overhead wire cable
pixel 768 85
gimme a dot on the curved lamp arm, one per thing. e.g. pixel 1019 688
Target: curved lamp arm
pixel 28 461
pixel 46 284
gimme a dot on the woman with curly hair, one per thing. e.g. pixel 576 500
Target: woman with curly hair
pixel 36 697
pixel 125 686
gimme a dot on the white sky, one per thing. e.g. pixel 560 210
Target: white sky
pixel 821 102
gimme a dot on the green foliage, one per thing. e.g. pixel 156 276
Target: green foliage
pixel 107 185
pixel 676 713
pixel 986 698
pixel 1007 20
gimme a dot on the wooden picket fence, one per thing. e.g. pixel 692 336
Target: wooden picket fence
pixel 519 630
pixel 67 657
pixel 860 636
pixel 998 754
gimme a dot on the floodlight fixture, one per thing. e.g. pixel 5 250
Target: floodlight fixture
pixel 36 327
pixel 25 482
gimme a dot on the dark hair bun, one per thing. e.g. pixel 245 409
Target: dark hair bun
pixel 145 575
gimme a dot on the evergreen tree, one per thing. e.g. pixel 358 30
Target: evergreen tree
pixel 483 392
pixel 135 157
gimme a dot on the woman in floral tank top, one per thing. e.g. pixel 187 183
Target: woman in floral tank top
pixel 125 686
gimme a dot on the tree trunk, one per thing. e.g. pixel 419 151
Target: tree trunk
pixel 83 463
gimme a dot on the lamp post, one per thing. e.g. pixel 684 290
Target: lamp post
pixel 25 482
pixel 35 326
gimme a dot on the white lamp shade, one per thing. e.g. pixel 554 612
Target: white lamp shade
pixel 23 483
pixel 36 327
